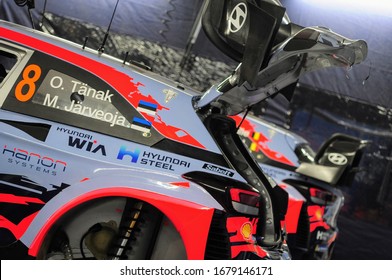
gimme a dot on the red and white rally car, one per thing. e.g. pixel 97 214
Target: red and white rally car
pixel 100 159
pixel 311 179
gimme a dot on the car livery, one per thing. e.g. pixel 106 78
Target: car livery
pixel 314 200
pixel 100 159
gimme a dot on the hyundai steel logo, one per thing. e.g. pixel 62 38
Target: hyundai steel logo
pixel 337 159
pixel 238 17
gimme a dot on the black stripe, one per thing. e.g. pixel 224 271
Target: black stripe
pixel 38 131
pixel 239 243
pixel 16 251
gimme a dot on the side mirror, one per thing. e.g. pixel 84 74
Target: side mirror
pixel 336 161
pixel 339 150
pixel 244 30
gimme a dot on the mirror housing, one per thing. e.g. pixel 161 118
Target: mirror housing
pixel 337 160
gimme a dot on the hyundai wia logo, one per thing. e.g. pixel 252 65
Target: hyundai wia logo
pixel 238 17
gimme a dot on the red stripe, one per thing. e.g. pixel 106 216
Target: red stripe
pixel 181 184
pixel 10 198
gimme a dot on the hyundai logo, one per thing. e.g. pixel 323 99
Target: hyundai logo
pixel 238 17
pixel 337 159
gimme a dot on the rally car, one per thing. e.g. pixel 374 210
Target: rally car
pixel 101 159
pixel 311 179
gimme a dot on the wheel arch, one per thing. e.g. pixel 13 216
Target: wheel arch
pixel 190 218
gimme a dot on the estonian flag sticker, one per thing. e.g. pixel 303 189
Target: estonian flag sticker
pixel 147 107
pixel 141 125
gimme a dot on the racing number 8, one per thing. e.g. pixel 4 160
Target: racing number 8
pixel 29 82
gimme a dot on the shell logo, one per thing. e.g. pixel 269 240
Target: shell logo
pixel 246 230
pixel 319 214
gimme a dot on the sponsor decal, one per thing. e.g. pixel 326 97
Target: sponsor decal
pixel 218 169
pixel 132 155
pixel 246 230
pixel 241 231
pixel 322 235
pixel 88 146
pixel 83 141
pixel 337 159
pixel 238 17
pixel 31 74
pixel 161 161
pixel 84 90
pixel 151 159
pixel 75 133
pixel 65 93
pixel 58 82
pixel 277 172
pixel 90 112
pixel 169 95
pixel 33 161
pixel 316 217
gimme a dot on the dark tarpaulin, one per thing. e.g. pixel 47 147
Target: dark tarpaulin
pixel 158 42
pixel 314 115
pixel 365 222
pixel 171 21
pixel 167 21
pixel 367 20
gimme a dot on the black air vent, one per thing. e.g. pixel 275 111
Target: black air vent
pixel 37 130
pixel 218 247
pixel 302 239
